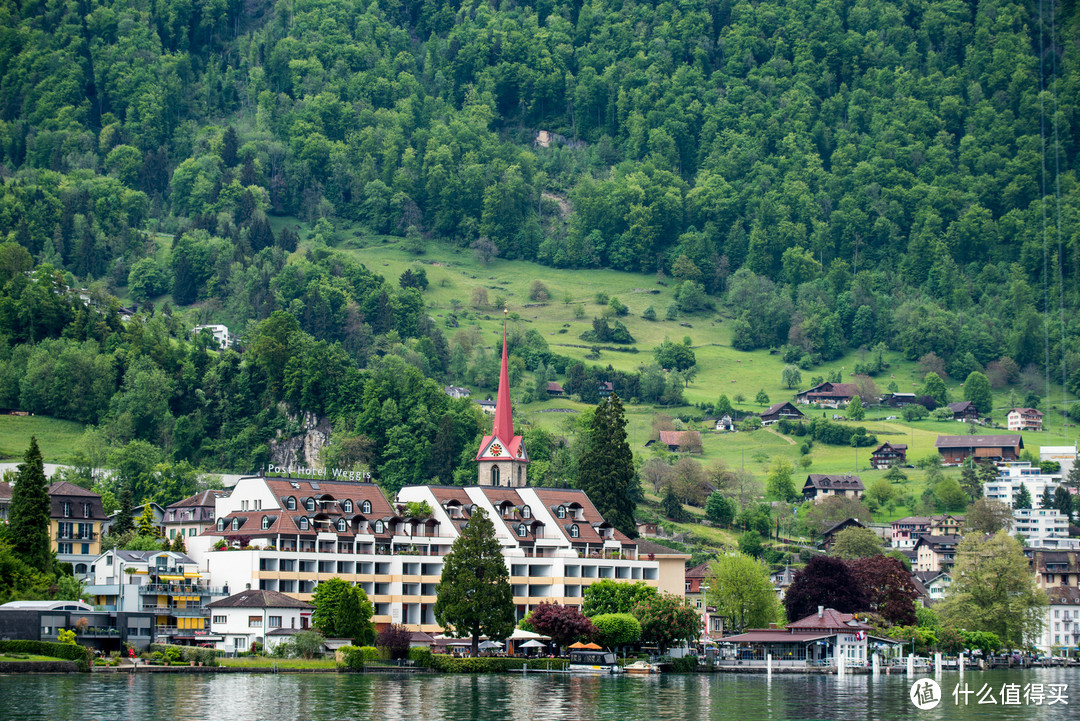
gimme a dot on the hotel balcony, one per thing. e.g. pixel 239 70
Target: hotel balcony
pixel 75 536
pixel 163 589
pixel 178 611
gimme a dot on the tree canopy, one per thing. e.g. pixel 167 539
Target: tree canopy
pixel 740 588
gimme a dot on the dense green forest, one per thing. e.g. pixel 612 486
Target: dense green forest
pixel 830 174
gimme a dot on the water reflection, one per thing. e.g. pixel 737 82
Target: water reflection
pixel 722 697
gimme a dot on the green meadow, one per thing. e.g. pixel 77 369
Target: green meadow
pixel 55 437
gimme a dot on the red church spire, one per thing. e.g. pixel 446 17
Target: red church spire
pixel 504 420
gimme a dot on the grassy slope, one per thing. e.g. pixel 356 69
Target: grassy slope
pixel 56 438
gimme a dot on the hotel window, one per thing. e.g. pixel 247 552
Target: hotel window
pixel 341 525
pixel 365 507
pixel 219 619
pixel 254 621
pixel 290 503
pixel 561 511
pixel 526 512
pixel 309 504
pixel 574 533
pixel 303 524
pixel 522 531
pixel 378 526
pixel 221 524
pixel 265 522
pixel 273 621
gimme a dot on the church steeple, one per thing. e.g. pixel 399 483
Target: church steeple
pixel 504 417
pixel 502 457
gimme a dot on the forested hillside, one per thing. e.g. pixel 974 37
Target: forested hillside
pixel 829 174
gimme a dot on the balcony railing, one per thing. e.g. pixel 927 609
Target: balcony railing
pixel 75 536
pixel 97 632
pixel 184 611
pixel 161 589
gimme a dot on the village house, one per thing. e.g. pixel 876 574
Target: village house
pixel 829 535
pixel 820 485
pixel 487 406
pixel 725 423
pixel 192 515
pixel 1061 625
pixel 257 616
pixel 908 530
pixel 222 337
pixel 935 553
pixel 955 450
pixel 887 455
pixel 964 411
pixel 679 441
pixel 1025 419
pixel 829 395
pixel 780 411
pixel 932 584
pixel 555 390
pixel 156 512
pixel 75 526
pixel 606 388
pixel 457 391
pixel 1056 568
pixel 898 400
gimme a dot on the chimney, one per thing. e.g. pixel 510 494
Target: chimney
pixel 821 612
pixel 773 625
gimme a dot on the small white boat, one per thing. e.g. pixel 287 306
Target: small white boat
pixel 588 661
pixel 641 668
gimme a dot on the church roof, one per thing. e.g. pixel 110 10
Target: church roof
pixel 502 443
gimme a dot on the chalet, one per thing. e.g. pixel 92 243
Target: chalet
pixel 964 411
pixel 554 389
pixel 829 535
pixel 606 388
pixel 725 424
pixel 832 395
pixel 955 450
pixel 819 486
pixel 457 392
pixel 780 411
pixel 932 585
pixel 681 441
pixel 935 553
pixel 887 455
pixel 487 406
pixel 898 400
pixel 1025 419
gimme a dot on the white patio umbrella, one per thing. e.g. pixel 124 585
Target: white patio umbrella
pixel 488 645
pixel 531 644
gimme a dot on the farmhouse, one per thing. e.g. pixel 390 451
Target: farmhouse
pixel 780 411
pixel 1025 419
pixel 832 395
pixel 680 441
pixel 964 411
pixel 888 454
pixel 955 450
pixel 819 486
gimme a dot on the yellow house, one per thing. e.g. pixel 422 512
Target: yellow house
pixel 75 525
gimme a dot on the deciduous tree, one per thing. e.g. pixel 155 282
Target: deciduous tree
pixel 607 596
pixel 888 588
pixel 565 624
pixel 856 542
pixel 667 619
pixel 616 629
pixel 827 582
pixel 740 588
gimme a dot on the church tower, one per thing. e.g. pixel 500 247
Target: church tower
pixel 502 455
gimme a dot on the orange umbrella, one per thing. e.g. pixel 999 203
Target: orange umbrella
pixel 589 646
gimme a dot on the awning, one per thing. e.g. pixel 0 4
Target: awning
pixel 192 574
pixel 171 578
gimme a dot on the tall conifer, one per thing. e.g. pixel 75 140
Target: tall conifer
pixel 606 469
pixel 29 524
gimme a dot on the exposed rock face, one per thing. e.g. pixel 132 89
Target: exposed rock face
pixel 304 448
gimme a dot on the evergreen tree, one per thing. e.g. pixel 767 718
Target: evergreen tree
pixel 474 595
pixel 29 512
pixel 606 469
pixel 123 524
pixel 1023 498
pixel 671 507
pixel 1063 501
pixel 969 481
pixel 1047 500
pixel 146 525
pixel 855 410
pixel 354 617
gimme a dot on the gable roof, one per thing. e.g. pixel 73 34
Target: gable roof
pixel 995 441
pixel 894 446
pixel 258 598
pixel 844 524
pixel 832 390
pixel 587 533
pixel 829 619
pixel 1028 412
pixel 202 498
pixel 65 488
pixel 824 480
pixel 777 407
pixel 961 406
pixel 646 546
pixel 938 543
pixel 679 438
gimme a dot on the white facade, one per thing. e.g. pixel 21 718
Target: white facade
pixel 1040 523
pixel 1065 455
pixel 398 561
pixel 239 628
pixel 1053 544
pixel 1005 487
pixel 221 333
pixel 1061 625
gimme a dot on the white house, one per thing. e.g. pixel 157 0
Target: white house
pixel 1061 626
pixel 267 617
pixel 221 334
pixel 1025 419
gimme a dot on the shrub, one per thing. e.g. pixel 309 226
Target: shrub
pixel 420 657
pixel 79 654
pixel 395 639
pixel 449 664
pixel 350 657
pixel 686 664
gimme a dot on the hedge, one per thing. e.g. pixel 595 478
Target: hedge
pixel 449 664
pixel 70 652
pixel 420 657
pixel 205 656
pixel 351 657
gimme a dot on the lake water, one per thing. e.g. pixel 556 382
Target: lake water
pixel 719 697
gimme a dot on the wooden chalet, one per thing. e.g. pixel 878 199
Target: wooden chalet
pixel 955 450
pixel 964 411
pixel 828 394
pixel 829 535
pixel 820 485
pixel 888 454
pixel 681 441
pixel 554 389
pixel 780 411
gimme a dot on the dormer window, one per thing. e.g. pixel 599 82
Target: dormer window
pixel 221 524
pixel 86 510
pixel 526 512
pixel 236 524
pixel 303 524
pixel 365 507
pixel 67 509
pixel 341 526
pixel 265 522
pixel 309 504
pixel 574 532
pixel 346 506
pixel 379 526
pixel 561 511
pixel 290 503
pixel 522 531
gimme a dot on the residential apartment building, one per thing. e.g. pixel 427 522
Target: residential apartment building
pixel 1039 523
pixel 907 531
pixel 935 553
pixel 1010 477
pixel 75 519
pixel 165 584
pixel 1056 568
pixel 191 516
pixel 94 628
pixel 1061 626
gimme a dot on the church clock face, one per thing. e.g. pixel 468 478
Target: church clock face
pixel 495 450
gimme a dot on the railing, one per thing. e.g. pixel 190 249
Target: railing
pixel 184 611
pixel 154 589
pixel 75 536
pixel 97 631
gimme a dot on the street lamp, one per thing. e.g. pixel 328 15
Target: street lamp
pixel 705 608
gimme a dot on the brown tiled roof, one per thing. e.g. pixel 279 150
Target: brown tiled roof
pixel 5 490
pixel 913 520
pixel 1028 411
pixel 1064 594
pixel 699 571
pixel 939 542
pixel 645 547
pixel 552 497
pixel 823 480
pixel 679 438
pixel 553 386
pixel 961 406
pixel 258 598
pixel 777 407
pixel 843 524
pixel 830 619
pixel 894 446
pixel 833 390
pixel 997 441
pixel 202 498
pixel 775 635
pixel 500 496
pixel 59 492
pixel 64 488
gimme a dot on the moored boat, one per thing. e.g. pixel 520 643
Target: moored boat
pixel 589 661
pixel 641 668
